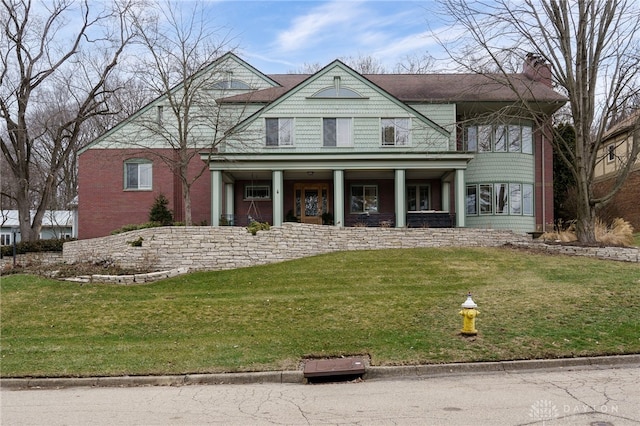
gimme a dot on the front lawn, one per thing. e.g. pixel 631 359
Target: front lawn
pixel 398 306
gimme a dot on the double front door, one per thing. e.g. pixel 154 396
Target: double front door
pixel 311 202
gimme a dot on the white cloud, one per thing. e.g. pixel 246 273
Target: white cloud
pixel 318 24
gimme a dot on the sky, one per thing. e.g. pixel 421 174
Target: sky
pixel 283 36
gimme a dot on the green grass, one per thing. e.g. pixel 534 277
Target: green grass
pixel 398 306
pixel 636 239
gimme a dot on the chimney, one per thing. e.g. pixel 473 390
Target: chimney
pixel 536 69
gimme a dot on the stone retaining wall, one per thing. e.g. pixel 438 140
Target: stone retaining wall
pixel 623 254
pixel 209 248
pixel 29 259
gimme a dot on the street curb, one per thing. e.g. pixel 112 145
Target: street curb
pixel 387 372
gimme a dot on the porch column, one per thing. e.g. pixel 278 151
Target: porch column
pixel 401 199
pixel 216 197
pixel 338 198
pixel 461 211
pixel 446 196
pixel 229 206
pixel 278 197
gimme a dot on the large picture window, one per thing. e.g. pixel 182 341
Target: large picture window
pixel 337 132
pixel 138 175
pixel 395 131
pixel 364 199
pixel 279 131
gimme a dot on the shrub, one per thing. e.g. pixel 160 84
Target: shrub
pixel 256 226
pixel 619 233
pixel 135 227
pixel 35 246
pixel 159 211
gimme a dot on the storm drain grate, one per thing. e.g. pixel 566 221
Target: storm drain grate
pixel 335 367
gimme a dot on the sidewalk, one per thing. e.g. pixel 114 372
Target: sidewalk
pixel 371 373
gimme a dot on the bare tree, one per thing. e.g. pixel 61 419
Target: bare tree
pixel 56 58
pixel 592 47
pixel 180 49
pixel 414 64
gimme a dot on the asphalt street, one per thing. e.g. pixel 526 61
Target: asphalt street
pixel 590 396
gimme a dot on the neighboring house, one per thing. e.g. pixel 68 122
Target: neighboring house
pixel 339 147
pixel 617 145
pixel 55 224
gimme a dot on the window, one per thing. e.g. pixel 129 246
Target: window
pixel 418 198
pixel 395 131
pixel 472 200
pixel 527 199
pixel 257 192
pixel 279 131
pixel 5 239
pixel 515 138
pixel 499 138
pixel 337 132
pixel 364 199
pixel 486 199
pixel 527 140
pixel 471 138
pixel 138 175
pixel 337 91
pixel 159 115
pixel 229 83
pixel 514 199
pixel 484 138
pixel 611 153
pixel 502 198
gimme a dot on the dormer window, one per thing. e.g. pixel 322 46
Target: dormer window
pixel 337 91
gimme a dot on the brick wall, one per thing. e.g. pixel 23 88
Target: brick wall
pixel 626 202
pixel 105 206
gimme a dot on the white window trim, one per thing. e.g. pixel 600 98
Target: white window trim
pixel 251 188
pixel 395 132
pixel 140 187
pixel 280 127
pixel 340 142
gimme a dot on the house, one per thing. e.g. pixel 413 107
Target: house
pixel 398 150
pixel 615 151
pixel 56 224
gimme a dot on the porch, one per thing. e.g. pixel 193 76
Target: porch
pixel 403 190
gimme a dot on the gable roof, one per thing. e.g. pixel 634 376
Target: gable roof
pixel 290 83
pixel 150 104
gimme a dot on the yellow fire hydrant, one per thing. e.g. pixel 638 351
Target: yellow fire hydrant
pixel 469 314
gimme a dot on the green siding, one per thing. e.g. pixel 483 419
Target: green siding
pixel 366 113
pixel 499 167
